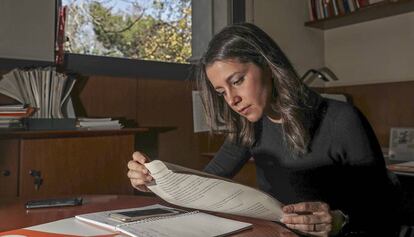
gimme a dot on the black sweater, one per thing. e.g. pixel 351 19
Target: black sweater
pixel 344 168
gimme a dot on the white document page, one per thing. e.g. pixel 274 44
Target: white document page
pixel 71 227
pixel 185 225
pixel 211 194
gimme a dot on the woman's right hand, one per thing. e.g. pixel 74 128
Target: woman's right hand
pixel 137 173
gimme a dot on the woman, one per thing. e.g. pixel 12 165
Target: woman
pixel 318 156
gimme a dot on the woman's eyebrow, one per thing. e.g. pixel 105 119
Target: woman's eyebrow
pixel 228 78
pixel 233 74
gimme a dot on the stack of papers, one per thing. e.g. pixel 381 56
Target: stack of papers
pixel 41 88
pixel 100 224
pixel 184 224
pixel 11 115
pixel 99 123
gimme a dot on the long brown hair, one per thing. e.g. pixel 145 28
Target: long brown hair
pixel 247 43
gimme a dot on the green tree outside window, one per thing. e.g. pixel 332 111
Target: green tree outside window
pixel 157 30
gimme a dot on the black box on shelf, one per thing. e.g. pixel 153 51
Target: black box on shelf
pixel 50 123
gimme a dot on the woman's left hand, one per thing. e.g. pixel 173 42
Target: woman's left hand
pixel 309 217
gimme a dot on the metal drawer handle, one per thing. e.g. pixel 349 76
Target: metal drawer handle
pixel 37 175
pixel 5 173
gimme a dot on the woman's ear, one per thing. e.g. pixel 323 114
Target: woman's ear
pixel 268 72
pixel 273 86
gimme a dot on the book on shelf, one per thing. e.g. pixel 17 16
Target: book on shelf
pixel 98 123
pixel 195 189
pixel 183 223
pixel 10 123
pixel 374 1
pixel 42 88
pixel 322 9
pixel 14 113
pixel 363 3
pixel 12 107
pixel 11 116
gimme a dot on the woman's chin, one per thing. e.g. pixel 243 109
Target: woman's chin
pixel 252 118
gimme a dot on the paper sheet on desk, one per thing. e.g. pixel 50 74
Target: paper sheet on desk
pixel 62 228
pixel 211 194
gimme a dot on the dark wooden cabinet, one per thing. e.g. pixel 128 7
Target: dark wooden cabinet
pixel 44 164
pixel 9 160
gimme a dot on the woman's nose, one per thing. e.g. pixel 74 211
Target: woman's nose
pixel 234 100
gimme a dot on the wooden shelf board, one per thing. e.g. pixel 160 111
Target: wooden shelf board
pixel 67 133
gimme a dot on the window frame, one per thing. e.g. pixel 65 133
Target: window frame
pixel 85 64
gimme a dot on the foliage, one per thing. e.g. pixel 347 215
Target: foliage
pixel 160 31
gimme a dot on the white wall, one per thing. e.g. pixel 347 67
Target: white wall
pixel 27 29
pixel 372 52
pixel 376 51
pixel 284 21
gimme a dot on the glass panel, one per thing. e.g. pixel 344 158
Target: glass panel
pixel 157 30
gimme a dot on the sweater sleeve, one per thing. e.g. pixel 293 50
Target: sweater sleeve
pixel 228 160
pixel 355 139
pixel 370 197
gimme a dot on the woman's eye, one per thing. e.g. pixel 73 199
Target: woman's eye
pixel 220 93
pixel 238 81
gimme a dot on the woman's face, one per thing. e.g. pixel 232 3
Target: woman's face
pixel 245 87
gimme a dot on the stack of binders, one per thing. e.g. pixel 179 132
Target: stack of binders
pixel 11 116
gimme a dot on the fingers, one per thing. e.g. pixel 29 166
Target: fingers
pixel 311 228
pixel 322 230
pixel 137 173
pixel 311 217
pixel 139 179
pixel 306 207
pixel 314 218
pixel 137 167
pixel 140 173
pixel 140 157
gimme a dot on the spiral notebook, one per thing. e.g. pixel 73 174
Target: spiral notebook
pixel 191 224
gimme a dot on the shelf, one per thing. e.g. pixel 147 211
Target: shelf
pixel 6 133
pixel 9 133
pixel 368 13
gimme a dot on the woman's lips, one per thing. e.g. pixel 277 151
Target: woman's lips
pixel 244 110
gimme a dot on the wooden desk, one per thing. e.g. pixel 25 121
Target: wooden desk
pixel 14 215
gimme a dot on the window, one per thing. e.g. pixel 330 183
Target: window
pixel 157 30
